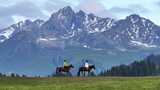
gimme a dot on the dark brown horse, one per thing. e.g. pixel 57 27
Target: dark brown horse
pixel 66 69
pixel 83 70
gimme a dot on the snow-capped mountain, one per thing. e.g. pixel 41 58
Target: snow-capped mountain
pixel 89 30
pixel 76 35
pixel 19 27
pixel 135 30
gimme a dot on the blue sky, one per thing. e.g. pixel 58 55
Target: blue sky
pixel 13 11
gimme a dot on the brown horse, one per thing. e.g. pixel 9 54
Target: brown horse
pixel 60 70
pixel 83 70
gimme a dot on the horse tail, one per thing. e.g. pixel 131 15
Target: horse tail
pixel 57 70
pixel 78 74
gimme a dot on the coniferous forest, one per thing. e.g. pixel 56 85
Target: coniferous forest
pixel 150 66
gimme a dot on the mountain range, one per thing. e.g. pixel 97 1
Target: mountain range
pixel 37 47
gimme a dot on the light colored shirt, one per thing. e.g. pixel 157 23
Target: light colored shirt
pixel 86 65
pixel 65 64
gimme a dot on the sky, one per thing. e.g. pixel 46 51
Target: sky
pixel 13 11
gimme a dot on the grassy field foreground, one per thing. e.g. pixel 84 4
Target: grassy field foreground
pixel 96 83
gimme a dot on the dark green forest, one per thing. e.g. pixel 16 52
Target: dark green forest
pixel 150 66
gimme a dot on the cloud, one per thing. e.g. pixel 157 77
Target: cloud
pixel 7 3
pixel 12 11
pixel 134 8
pixel 121 10
pixel 139 8
pixel 22 9
pixel 5 21
pixel 16 18
pixel 89 6
pixel 158 3
pixel 54 5
pixel 95 7
pixel 27 9
pixel 18 10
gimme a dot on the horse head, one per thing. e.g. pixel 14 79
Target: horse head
pixel 93 67
pixel 71 66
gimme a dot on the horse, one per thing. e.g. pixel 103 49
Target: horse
pixel 84 70
pixel 60 70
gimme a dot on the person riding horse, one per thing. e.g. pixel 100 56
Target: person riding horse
pixel 65 63
pixel 86 64
pixel 66 67
pixel 86 68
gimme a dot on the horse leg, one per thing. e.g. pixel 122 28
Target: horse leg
pixel 82 73
pixel 79 73
pixel 57 71
pixel 88 73
pixel 69 73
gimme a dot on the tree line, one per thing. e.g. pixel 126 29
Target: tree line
pixel 149 66
pixel 12 75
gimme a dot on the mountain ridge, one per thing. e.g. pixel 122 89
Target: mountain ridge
pixel 76 35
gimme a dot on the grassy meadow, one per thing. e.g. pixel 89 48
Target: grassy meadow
pixel 74 83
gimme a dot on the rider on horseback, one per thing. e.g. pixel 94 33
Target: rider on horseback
pixel 65 63
pixel 65 68
pixel 86 64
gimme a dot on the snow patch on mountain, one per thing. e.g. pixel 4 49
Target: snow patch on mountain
pixel 94 31
pixel 50 42
pixel 73 26
pixel 7 33
pixel 138 43
pixel 46 39
pixel 72 34
pixel 85 46
pixel 122 49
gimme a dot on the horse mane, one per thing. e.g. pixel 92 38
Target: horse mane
pixel 92 65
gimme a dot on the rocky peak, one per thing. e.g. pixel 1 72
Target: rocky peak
pixel 80 13
pixel 63 13
pixel 134 18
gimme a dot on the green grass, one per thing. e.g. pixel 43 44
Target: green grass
pixel 96 83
